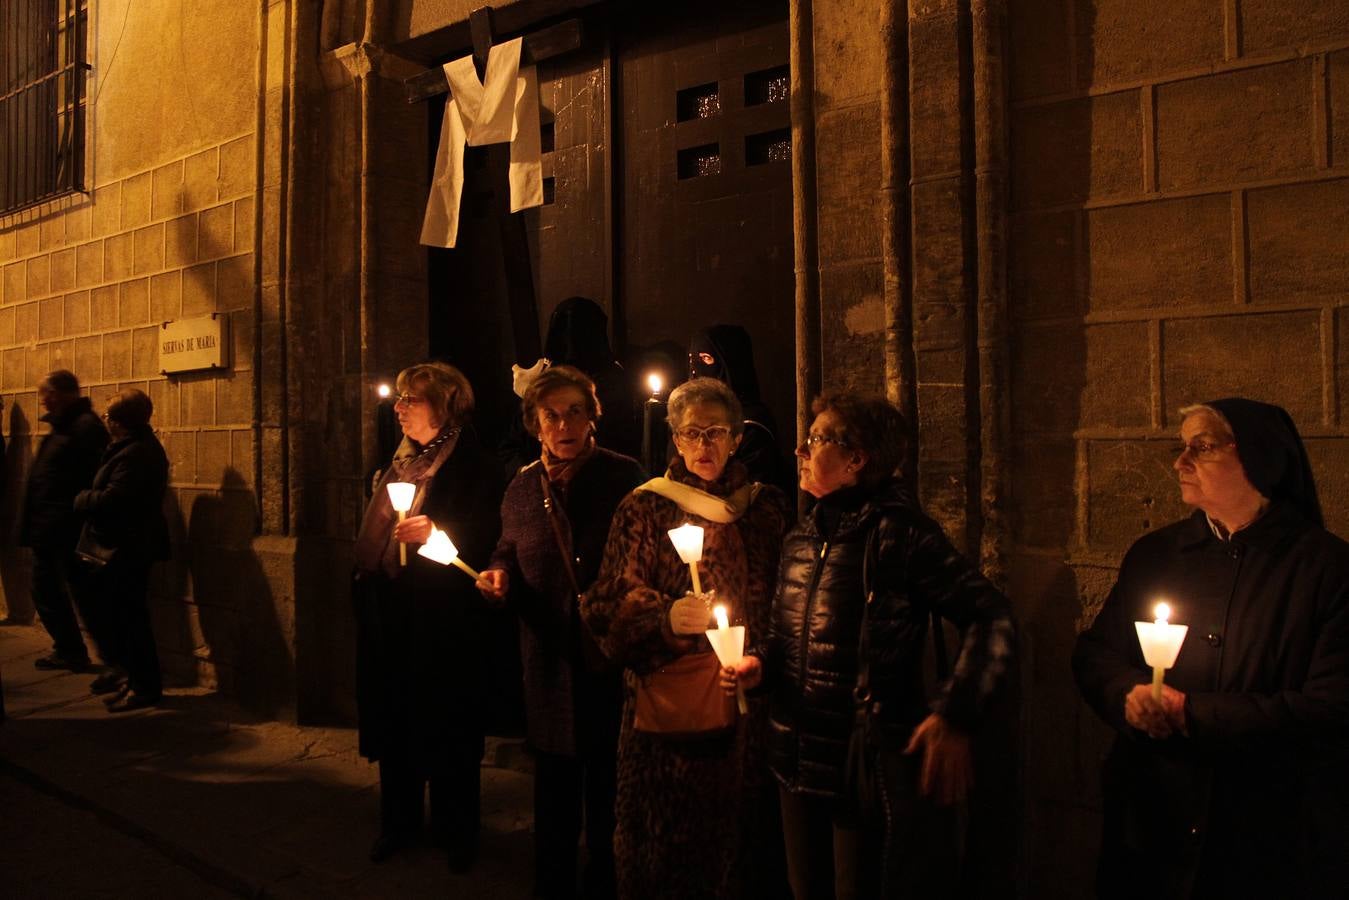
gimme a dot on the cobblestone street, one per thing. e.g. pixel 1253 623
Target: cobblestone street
pixel 194 799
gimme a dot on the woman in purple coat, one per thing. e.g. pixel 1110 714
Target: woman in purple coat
pixel 555 520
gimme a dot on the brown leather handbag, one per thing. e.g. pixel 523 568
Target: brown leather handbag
pixel 684 699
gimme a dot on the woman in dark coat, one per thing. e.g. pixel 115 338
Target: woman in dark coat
pixel 421 627
pixel 866 544
pixel 572 695
pixel 689 806
pixel 124 522
pixel 1234 783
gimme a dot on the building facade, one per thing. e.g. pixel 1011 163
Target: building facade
pixel 1039 226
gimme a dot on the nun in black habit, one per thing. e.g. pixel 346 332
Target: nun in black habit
pixel 1234 784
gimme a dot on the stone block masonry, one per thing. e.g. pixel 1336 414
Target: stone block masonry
pixel 85 286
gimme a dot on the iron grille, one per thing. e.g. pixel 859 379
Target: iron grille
pixel 42 102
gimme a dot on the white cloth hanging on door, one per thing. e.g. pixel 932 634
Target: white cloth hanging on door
pixel 505 108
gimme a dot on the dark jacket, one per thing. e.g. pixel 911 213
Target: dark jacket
pixel 125 505
pixel 1255 801
pixel 810 658
pixel 542 595
pixel 65 464
pixel 421 687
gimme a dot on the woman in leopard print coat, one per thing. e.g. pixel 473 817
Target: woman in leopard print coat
pixel 688 808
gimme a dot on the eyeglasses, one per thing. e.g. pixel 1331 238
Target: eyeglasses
pixel 711 435
pixel 814 440
pixel 1198 449
pixel 408 399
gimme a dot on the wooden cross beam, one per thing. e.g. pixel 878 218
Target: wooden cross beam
pixel 545 43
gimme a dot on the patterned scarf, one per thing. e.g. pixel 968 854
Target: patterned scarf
pixel 561 471
pixel 376 550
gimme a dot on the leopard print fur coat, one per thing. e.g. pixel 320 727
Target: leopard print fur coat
pixel 690 811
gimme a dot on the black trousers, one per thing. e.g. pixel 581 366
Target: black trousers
pixel 113 601
pixel 455 788
pixel 53 575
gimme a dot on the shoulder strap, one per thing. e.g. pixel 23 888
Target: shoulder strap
pixel 563 544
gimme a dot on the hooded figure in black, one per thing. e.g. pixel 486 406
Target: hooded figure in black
pixel 578 335
pixel 726 353
pixel 1233 783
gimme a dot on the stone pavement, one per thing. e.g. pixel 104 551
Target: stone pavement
pixel 197 799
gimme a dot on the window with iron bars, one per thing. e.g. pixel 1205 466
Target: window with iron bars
pixel 42 100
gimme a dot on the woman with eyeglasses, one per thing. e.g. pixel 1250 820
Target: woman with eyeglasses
pixel 1233 783
pixel 421 627
pixel 864 554
pixel 689 779
pixel 555 518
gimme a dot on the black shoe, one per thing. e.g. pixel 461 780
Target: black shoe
pixel 56 661
pixel 132 701
pixel 387 845
pixel 108 682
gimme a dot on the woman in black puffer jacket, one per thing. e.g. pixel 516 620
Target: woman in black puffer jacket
pixel 864 537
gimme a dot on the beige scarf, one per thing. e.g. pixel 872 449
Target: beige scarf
pixel 722 510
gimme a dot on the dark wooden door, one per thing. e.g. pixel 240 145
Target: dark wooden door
pixel 667 189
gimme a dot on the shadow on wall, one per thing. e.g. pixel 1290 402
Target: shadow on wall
pixel 15 562
pixel 240 648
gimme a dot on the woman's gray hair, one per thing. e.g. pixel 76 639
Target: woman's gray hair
pixel 1197 408
pixel 705 390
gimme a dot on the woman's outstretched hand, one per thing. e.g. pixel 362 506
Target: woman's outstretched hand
pixel 494 583
pixel 947 774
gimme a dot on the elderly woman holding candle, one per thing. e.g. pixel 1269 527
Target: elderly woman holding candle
pixel 421 626
pixel 1233 783
pixel 862 574
pixel 687 792
pixel 554 518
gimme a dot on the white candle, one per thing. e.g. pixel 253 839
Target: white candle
pixel 728 641
pixel 439 548
pixel 688 542
pixel 1161 642
pixel 401 494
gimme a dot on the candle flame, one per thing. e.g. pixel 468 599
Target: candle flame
pixel 655 382
pixel 722 621
pixel 1161 613
pixel 384 391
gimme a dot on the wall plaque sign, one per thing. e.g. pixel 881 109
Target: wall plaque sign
pixel 190 345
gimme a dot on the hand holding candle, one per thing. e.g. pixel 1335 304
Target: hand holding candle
pixel 1161 644
pixel 401 495
pixel 728 641
pixel 439 548
pixel 688 542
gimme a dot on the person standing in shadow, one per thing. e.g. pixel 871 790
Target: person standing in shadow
pixel 124 534
pixel 65 464
pixel 726 353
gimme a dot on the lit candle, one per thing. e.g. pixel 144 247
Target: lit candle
pixel 401 494
pixel 1161 642
pixel 384 391
pixel 728 642
pixel 653 437
pixel 688 542
pixel 439 548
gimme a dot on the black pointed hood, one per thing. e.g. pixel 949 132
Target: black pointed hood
pixel 1272 453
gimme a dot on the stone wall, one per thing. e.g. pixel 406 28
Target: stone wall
pixel 1179 232
pixel 169 230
